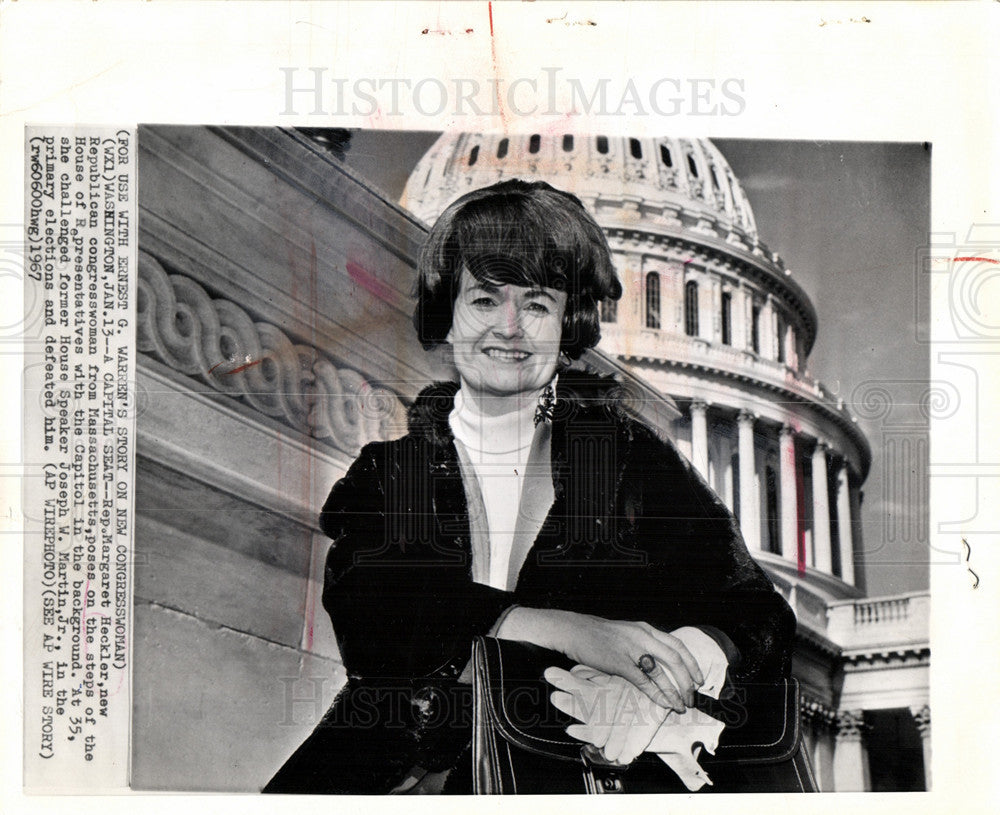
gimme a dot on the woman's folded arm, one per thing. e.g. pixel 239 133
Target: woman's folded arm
pixel 400 606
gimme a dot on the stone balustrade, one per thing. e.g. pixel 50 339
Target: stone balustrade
pixel 885 621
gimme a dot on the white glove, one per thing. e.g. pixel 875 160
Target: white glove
pixel 623 722
pixel 616 716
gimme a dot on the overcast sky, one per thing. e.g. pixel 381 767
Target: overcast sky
pixel 848 219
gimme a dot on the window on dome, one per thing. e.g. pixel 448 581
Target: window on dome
pixel 534 143
pixel 727 318
pixel 665 157
pixel 474 155
pixel 781 339
pixel 635 148
pixel 602 145
pixel 568 143
pixel 715 178
pixel 609 311
pixel 755 329
pixel 691 308
pixel 773 531
pixel 502 148
pixel 652 300
pixel 692 166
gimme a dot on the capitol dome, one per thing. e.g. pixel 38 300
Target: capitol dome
pixel 687 176
pixel 711 319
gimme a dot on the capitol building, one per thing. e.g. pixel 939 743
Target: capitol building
pixel 261 245
pixel 713 320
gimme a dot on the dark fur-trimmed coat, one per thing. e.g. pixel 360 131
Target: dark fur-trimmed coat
pixel 633 534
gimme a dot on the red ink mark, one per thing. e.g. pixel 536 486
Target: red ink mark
pixel 468 31
pixel 310 620
pixel 976 260
pixel 496 69
pixel 376 119
pixel 243 367
pixel 217 364
pixel 369 283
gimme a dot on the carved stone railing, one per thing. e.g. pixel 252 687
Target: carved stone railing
pixel 777 377
pixel 880 622
pixel 874 612
pixel 219 344
pixel 662 344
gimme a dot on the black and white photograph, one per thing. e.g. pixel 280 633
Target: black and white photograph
pixel 422 407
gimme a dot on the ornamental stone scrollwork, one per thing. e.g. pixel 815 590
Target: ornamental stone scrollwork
pixel 668 177
pixel 218 343
pixel 850 725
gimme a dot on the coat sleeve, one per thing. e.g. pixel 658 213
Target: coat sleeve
pixel 699 571
pixel 679 560
pixel 400 597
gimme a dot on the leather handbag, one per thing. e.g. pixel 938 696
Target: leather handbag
pixel 520 746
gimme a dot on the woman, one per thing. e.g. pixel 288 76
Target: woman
pixel 523 503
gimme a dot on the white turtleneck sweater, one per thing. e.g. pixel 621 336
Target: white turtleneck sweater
pixel 498 447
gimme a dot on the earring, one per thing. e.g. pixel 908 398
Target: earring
pixel 546 405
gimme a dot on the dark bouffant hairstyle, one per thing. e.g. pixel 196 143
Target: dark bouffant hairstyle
pixel 525 234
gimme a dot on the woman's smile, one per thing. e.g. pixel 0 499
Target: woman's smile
pixel 506 355
pixel 506 338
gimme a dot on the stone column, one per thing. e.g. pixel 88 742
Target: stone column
pixel 922 718
pixel 819 720
pixel 792 356
pixel 850 757
pixel 699 436
pixel 821 510
pixel 749 511
pixel 845 526
pixel 740 318
pixel 766 329
pixel 789 495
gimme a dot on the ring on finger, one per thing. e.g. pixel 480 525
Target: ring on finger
pixel 647 664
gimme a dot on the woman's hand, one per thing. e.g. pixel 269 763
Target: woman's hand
pixel 613 647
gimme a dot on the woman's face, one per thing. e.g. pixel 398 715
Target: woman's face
pixel 506 338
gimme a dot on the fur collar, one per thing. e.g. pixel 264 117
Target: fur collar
pixel 576 392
